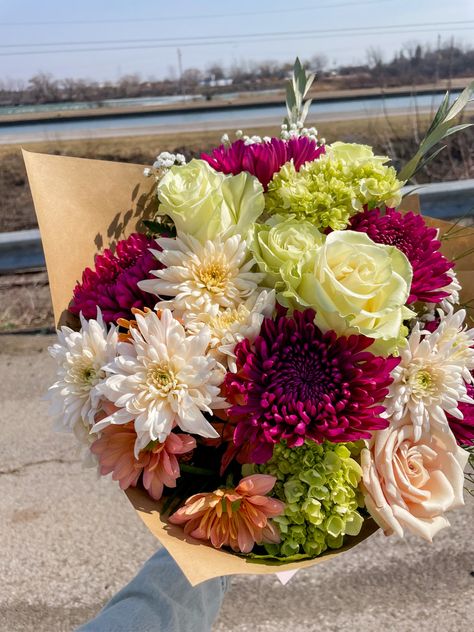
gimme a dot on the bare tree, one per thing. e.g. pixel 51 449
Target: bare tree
pixel 318 63
pixel 191 77
pixel 43 88
pixel 216 71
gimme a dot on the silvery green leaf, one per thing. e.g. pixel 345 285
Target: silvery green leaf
pixel 409 169
pixel 428 159
pixel 305 110
pixel 443 131
pixel 441 113
pixel 296 90
pixel 461 102
pixel 439 129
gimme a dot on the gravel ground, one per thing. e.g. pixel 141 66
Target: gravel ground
pixel 69 542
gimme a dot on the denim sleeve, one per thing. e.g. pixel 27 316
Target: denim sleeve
pixel 161 599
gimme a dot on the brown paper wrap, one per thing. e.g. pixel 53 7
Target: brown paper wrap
pixel 84 206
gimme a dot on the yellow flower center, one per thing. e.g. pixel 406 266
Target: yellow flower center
pixel 84 373
pixel 423 383
pixel 161 378
pixel 214 276
pixel 88 374
pixel 226 319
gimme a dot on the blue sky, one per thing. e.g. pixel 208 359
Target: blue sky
pixel 306 28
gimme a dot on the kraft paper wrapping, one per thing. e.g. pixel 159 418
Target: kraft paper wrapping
pixel 84 206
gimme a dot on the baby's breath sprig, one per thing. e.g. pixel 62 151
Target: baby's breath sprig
pixel 164 161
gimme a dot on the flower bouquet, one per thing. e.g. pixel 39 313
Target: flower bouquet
pixel 269 353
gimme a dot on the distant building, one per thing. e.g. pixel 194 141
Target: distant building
pixel 212 82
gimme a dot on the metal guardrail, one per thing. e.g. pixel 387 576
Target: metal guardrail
pixel 22 250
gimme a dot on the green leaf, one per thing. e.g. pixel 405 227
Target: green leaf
pixel 441 113
pixel 305 110
pixel 439 134
pixel 422 164
pixel 277 560
pixel 157 228
pixel 409 169
pixel 439 129
pixel 296 91
pixel 461 102
pixel 198 471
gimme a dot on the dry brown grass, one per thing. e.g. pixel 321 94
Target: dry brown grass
pixel 25 302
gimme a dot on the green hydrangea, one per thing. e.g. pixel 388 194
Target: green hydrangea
pixel 330 190
pixel 319 485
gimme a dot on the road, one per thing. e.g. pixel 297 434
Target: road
pixel 70 541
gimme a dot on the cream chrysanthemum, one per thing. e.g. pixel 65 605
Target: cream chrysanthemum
pixel 427 384
pixel 80 355
pixel 161 379
pixel 230 326
pixel 199 277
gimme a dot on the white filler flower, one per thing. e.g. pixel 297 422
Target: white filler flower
pixel 201 276
pixel 429 381
pixel 81 355
pixel 230 326
pixel 163 378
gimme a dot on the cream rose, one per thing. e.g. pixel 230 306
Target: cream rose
pixel 355 286
pixel 408 485
pixel 206 204
pixel 282 240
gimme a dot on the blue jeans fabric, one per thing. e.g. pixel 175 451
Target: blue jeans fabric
pixel 161 599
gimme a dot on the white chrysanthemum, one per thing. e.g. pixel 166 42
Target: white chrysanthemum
pixel 81 356
pixel 430 310
pixel 454 341
pixel 229 327
pixel 201 276
pixel 161 379
pixel 426 385
pixel 453 289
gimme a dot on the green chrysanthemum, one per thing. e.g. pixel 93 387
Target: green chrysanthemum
pixel 330 190
pixel 319 485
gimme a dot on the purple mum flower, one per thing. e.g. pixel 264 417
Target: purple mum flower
pixel 264 159
pixel 112 285
pixel 295 382
pixel 409 233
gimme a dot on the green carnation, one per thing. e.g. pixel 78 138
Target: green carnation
pixel 330 190
pixel 319 485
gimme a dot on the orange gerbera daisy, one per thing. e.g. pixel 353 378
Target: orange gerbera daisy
pixel 238 518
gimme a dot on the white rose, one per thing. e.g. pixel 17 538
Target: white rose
pixel 206 204
pixel 355 286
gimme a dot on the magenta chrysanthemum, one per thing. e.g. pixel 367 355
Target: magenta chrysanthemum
pixel 112 285
pixel 463 429
pixel 409 233
pixel 295 383
pixel 264 159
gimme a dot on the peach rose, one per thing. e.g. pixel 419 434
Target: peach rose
pixel 410 484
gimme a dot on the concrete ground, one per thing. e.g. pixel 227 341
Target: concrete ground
pixel 70 541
